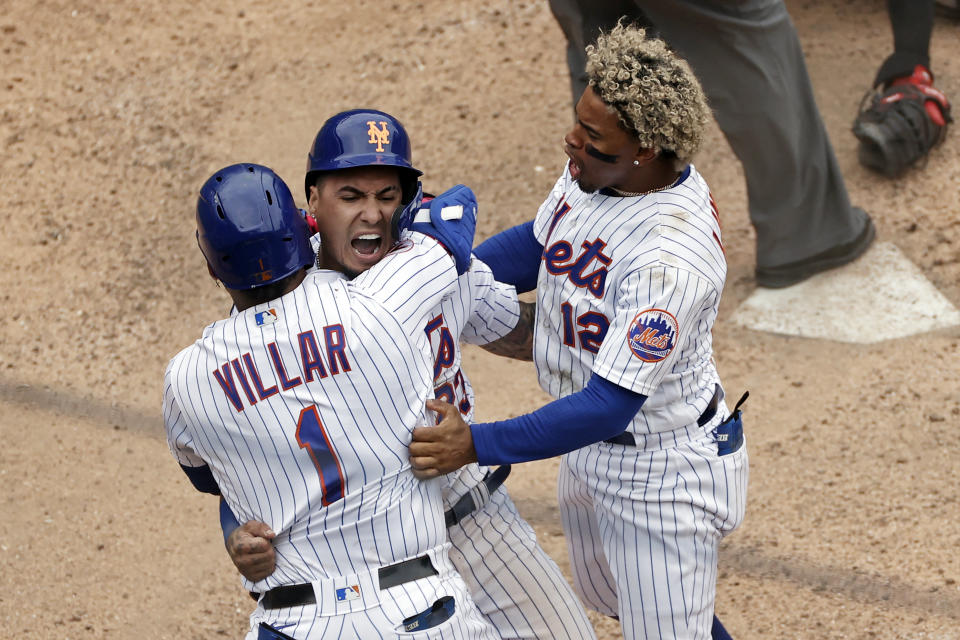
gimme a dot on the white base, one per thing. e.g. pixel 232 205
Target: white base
pixel 880 296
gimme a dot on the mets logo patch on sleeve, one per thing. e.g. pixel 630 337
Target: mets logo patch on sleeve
pixel 652 335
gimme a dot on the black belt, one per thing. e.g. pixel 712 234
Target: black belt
pixel 626 438
pixel 467 504
pixel 299 595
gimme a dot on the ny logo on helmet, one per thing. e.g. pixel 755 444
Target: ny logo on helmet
pixel 379 136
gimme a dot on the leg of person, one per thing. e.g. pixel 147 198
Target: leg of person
pixel 660 515
pixel 581 22
pixel 592 579
pixel 752 69
pixel 912 24
pixel 512 580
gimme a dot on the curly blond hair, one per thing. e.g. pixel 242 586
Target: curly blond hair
pixel 655 93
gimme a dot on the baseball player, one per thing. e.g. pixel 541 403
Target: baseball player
pixel 298 410
pixel 513 581
pixel 749 58
pixel 626 255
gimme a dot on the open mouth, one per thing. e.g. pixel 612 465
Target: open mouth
pixel 367 244
pixel 575 169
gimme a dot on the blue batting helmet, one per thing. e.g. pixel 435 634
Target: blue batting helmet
pixel 362 138
pixel 249 229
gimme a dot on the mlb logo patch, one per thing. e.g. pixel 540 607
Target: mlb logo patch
pixel 266 317
pixel 653 334
pixel 346 594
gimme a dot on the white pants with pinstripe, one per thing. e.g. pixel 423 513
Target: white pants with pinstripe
pixel 372 613
pixel 512 580
pixel 643 524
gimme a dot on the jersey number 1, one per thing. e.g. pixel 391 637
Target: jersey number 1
pixel 312 437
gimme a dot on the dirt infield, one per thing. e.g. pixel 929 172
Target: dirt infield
pixel 114 113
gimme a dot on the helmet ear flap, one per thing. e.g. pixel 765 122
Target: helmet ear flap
pixel 403 215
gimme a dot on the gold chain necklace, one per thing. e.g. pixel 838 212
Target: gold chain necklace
pixel 631 194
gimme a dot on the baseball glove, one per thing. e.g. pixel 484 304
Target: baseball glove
pixel 899 125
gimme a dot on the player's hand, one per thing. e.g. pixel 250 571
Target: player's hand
pixel 438 450
pixel 251 550
pixel 451 219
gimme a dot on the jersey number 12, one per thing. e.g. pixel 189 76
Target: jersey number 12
pixel 594 328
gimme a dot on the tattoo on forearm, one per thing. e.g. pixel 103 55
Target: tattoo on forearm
pixel 518 344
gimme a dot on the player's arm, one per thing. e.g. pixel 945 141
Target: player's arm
pixel 597 412
pixel 518 344
pixel 180 439
pixel 201 478
pixel 249 545
pixel 622 378
pixel 513 256
pixel 497 320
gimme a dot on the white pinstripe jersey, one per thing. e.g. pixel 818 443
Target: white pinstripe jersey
pixel 481 310
pixel 628 288
pixel 303 408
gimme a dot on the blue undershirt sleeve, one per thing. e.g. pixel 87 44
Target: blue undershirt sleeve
pixel 228 521
pixel 513 256
pixel 597 412
pixel 202 479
